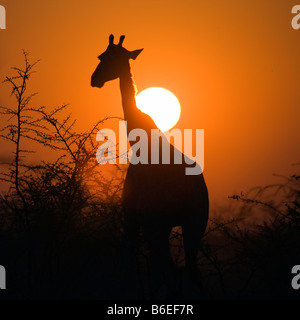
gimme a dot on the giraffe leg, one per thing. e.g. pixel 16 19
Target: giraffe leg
pixel 192 231
pixel 160 266
pixel 191 244
pixel 129 265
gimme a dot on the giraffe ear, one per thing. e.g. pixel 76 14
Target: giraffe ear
pixel 122 38
pixel 111 39
pixel 134 54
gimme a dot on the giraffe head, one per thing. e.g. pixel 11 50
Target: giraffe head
pixel 113 62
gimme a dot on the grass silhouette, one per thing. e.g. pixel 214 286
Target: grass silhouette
pixel 61 220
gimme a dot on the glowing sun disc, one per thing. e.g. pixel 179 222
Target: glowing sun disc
pixel 161 105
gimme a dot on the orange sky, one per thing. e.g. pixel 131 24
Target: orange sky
pixel 234 66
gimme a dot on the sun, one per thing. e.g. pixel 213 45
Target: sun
pixel 161 105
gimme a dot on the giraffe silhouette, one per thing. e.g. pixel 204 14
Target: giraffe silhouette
pixel 156 197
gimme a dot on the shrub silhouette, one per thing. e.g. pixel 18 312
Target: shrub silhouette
pixel 245 260
pixel 56 216
pixel 61 220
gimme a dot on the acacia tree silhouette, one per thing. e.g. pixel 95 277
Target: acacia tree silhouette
pixel 24 125
pixel 51 201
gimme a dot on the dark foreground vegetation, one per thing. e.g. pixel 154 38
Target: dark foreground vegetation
pixel 61 220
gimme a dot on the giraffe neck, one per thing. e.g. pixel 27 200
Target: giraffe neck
pixel 135 118
pixel 128 93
